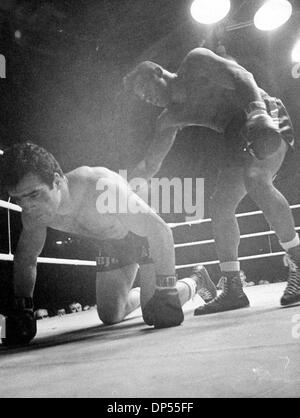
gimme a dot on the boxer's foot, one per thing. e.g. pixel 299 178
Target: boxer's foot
pixel 205 287
pixel 291 294
pixel 232 297
pixel 20 324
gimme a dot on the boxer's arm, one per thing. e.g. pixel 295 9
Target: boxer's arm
pixel 30 245
pixel 160 300
pixel 140 219
pixel 164 137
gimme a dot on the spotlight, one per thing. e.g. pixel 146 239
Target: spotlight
pixel 273 14
pixel 210 11
pixel 296 52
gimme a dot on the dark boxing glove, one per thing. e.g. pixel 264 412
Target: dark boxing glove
pixel 20 325
pixel 164 308
pixel 262 135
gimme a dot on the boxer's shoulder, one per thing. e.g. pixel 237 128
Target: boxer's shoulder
pixel 203 62
pixel 200 52
pixel 86 182
pixel 85 176
pixel 85 172
pixel 198 56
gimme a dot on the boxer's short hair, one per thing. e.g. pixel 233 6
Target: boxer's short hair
pixel 145 71
pixel 24 158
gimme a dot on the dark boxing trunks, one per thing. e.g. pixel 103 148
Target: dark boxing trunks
pixel 235 131
pixel 115 254
pixel 279 114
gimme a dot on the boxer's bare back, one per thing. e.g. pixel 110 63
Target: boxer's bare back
pixel 200 99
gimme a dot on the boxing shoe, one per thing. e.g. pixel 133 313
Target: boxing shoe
pixel 164 308
pixel 20 324
pixel 205 287
pixel 291 294
pixel 232 297
pixel 262 133
pixel 243 280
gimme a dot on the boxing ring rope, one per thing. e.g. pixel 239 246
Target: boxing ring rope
pixel 249 257
pixel 60 261
pixel 238 215
pixel 44 260
pixel 211 241
pixel 10 206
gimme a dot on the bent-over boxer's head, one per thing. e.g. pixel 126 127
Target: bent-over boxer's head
pixel 150 82
pixel 33 179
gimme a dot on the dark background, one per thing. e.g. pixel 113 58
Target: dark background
pixel 65 64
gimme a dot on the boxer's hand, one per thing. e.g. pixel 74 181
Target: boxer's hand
pixel 262 134
pixel 164 309
pixel 20 327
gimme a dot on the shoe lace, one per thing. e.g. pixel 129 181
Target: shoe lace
pixel 224 286
pixel 220 284
pixel 205 293
pixel 294 277
pixel 202 290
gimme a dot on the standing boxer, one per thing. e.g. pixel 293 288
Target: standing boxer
pixel 130 235
pixel 218 93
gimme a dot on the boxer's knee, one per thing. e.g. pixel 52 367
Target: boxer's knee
pixel 257 181
pixel 110 314
pixel 112 296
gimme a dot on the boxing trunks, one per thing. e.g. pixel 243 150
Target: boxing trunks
pixel 117 253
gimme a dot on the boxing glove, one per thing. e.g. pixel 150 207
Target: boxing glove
pixel 20 324
pixel 262 135
pixel 164 308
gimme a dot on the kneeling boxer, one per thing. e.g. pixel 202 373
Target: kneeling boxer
pixel 218 93
pixel 130 236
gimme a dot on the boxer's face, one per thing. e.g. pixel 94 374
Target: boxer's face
pixel 152 90
pixel 36 198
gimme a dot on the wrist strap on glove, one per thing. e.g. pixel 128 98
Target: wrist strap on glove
pixel 255 109
pixel 166 281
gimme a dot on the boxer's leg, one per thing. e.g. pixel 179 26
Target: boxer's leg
pixel 258 181
pixel 230 190
pixel 234 182
pixel 255 177
pixel 115 296
pixel 258 178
